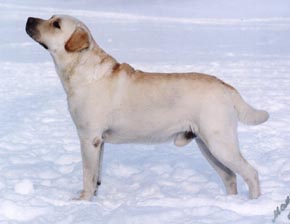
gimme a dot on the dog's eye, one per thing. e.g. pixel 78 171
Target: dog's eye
pixel 56 24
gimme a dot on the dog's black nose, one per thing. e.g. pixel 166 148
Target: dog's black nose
pixel 31 21
pixel 31 25
pixel 33 31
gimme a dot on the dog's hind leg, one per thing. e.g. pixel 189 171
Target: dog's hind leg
pixel 228 177
pixel 223 145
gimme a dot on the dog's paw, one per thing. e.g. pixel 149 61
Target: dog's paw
pixel 84 196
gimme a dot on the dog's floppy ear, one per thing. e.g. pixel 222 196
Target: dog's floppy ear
pixel 78 41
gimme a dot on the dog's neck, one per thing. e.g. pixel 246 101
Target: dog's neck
pixel 82 68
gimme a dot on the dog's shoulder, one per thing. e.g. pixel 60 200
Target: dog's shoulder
pixel 123 68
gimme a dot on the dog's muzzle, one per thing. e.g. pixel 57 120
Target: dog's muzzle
pixel 31 25
pixel 32 31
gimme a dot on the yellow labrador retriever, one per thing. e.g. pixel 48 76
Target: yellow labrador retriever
pixel 114 103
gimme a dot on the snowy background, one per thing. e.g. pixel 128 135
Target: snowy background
pixel 244 42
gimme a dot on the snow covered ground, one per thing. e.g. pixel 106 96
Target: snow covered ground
pixel 244 42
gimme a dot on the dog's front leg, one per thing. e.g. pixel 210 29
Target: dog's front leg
pixel 91 150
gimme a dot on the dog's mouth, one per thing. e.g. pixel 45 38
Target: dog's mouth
pixel 32 31
pixel 43 45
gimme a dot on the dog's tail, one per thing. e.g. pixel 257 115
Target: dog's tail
pixel 246 113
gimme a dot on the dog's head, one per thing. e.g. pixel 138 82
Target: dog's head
pixel 59 34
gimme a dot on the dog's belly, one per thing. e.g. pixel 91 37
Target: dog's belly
pixel 150 120
pixel 145 131
pixel 119 136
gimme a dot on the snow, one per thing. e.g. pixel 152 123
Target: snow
pixel 245 43
pixel 24 187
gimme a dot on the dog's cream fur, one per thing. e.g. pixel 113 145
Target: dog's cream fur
pixel 114 103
